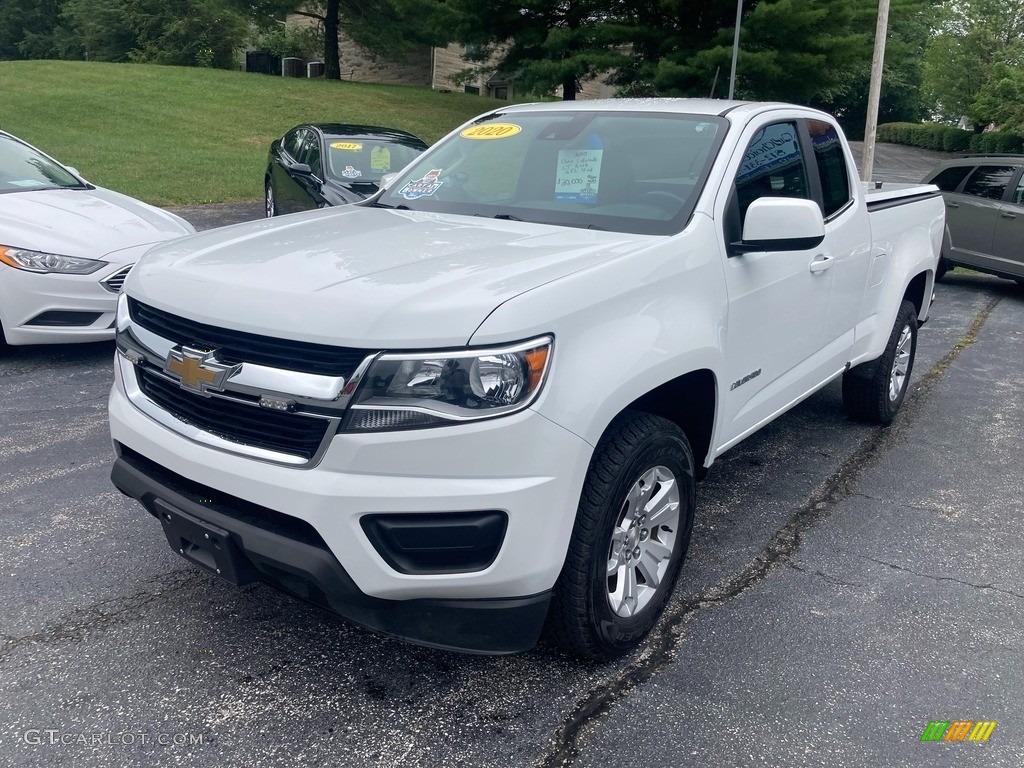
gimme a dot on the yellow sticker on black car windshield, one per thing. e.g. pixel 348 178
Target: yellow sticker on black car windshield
pixel 351 146
pixel 491 131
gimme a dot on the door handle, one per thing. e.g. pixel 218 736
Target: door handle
pixel 952 205
pixel 821 263
pixel 1008 215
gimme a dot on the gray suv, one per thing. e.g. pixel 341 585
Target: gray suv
pixel 984 197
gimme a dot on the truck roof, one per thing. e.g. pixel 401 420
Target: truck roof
pixel 719 107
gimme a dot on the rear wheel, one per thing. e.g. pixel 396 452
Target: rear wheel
pixel 631 534
pixel 270 200
pixel 874 391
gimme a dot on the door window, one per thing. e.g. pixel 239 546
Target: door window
pixel 989 181
pixel 773 166
pixel 293 142
pixel 310 154
pixel 950 178
pixel 1018 193
pixel 831 162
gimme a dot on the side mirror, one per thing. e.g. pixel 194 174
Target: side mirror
pixel 386 179
pixel 302 169
pixel 780 224
pixel 73 170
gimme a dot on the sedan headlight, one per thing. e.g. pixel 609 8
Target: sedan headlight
pixel 47 263
pixel 406 391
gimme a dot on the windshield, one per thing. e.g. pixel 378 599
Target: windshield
pixel 622 171
pixel 23 169
pixel 355 160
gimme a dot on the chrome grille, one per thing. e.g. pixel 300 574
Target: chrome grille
pixel 115 282
pixel 236 419
pixel 243 347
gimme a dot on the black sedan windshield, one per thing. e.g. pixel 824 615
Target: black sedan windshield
pixel 23 169
pixel 623 171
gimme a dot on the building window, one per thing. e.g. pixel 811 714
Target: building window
pixel 501 92
pixel 473 89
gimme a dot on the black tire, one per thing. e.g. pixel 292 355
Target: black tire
pixel 874 391
pixel 636 447
pixel 269 200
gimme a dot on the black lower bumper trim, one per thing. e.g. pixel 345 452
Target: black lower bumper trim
pixel 240 551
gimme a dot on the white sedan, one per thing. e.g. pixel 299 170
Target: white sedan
pixel 66 247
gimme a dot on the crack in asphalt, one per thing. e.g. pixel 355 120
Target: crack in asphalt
pixel 823 576
pixel 991 587
pixel 662 645
pixel 79 622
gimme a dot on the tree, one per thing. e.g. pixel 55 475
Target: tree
pixel 28 29
pixel 545 44
pixel 977 44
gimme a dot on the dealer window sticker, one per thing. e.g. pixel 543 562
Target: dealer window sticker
pixel 424 187
pixel 578 175
pixel 380 159
pixel 491 131
pixel 348 146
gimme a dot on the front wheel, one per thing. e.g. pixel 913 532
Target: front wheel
pixel 874 391
pixel 631 534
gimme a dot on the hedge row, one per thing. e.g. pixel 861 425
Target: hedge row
pixel 946 138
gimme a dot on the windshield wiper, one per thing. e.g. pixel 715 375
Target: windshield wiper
pixel 395 207
pixel 502 216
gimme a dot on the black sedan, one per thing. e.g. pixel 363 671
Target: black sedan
pixel 317 165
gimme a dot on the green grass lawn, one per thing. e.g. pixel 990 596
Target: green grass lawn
pixel 177 135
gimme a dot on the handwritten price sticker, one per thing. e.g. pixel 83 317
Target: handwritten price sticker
pixel 578 174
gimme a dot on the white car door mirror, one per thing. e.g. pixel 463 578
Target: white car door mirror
pixel 781 224
pixel 386 180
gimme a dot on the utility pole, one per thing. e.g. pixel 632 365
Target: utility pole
pixel 735 48
pixel 874 92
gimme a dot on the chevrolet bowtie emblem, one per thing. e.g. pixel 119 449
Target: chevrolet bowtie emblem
pixel 196 371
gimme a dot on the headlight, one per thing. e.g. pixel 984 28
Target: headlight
pixel 430 390
pixel 47 263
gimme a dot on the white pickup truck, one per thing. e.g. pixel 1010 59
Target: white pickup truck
pixel 477 404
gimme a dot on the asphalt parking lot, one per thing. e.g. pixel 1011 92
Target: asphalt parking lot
pixel 846 585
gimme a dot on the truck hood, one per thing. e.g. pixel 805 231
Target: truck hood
pixel 364 277
pixel 83 222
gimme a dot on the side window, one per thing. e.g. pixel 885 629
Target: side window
pixel 293 142
pixel 989 181
pixel 1018 193
pixel 310 154
pixel 831 162
pixel 772 167
pixel 949 179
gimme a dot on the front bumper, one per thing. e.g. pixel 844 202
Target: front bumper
pixel 240 542
pixel 28 298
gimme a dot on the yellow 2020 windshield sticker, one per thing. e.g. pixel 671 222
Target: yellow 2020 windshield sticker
pixel 491 131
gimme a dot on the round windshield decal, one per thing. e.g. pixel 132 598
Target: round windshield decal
pixel 491 131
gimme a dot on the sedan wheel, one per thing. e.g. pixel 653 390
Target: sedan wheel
pixel 271 202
